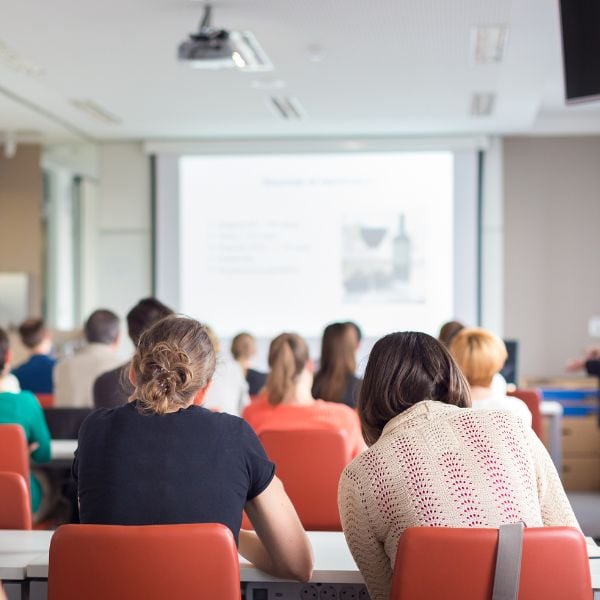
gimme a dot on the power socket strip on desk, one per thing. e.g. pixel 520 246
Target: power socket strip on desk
pixel 305 591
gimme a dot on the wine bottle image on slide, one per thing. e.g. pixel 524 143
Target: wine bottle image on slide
pixel 402 253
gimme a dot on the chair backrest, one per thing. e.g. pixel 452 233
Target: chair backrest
pixel 45 400
pixel 153 562
pixel 15 508
pixel 14 451
pixel 532 399
pixel 459 564
pixel 64 423
pixel 309 463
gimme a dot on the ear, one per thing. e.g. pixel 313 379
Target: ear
pixel 132 376
pixel 310 366
pixel 199 397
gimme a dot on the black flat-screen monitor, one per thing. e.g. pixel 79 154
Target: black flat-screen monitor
pixel 580 21
pixel 509 371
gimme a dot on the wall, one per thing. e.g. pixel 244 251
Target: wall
pixel 20 218
pixel 551 248
pixel 122 225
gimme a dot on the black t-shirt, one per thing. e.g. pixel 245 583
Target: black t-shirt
pixel 191 466
pixel 256 381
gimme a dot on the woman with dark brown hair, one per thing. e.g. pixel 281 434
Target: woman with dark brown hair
pixel 433 461
pixel 287 402
pixel 335 381
pixel 160 459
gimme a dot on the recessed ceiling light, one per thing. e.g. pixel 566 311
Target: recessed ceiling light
pixel 97 112
pixel 488 43
pixel 482 104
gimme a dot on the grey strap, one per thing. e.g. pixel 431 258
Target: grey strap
pixel 508 562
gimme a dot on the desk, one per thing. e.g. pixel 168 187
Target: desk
pixel 554 411
pixel 24 557
pixel 62 449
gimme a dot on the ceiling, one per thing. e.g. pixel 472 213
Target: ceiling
pixel 383 68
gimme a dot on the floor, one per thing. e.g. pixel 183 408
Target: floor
pixel 587 510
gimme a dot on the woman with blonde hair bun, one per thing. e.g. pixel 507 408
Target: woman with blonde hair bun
pixel 287 402
pixel 162 459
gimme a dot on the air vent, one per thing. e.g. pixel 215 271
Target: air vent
pixel 482 104
pixel 96 112
pixel 287 107
pixel 488 43
pixel 253 57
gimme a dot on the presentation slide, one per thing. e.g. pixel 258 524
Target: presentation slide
pixel 293 242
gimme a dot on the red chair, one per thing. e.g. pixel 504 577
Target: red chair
pixel 309 463
pixel 14 451
pixel 153 562
pixel 459 564
pixel 532 399
pixel 15 509
pixel 45 400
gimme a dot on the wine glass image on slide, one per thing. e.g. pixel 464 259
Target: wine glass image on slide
pixel 365 255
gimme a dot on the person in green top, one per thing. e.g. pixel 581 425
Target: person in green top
pixel 22 408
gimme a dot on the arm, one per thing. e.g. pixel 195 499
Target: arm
pixel 280 545
pixel 554 504
pixel 40 434
pixel 368 552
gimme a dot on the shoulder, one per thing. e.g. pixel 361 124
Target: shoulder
pixel 27 400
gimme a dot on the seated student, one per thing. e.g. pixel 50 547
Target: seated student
pixel 243 349
pixel 113 387
pixel 435 462
pixel 23 409
pixel 160 459
pixel 335 381
pixel 448 331
pixel 480 355
pixel 229 389
pixel 35 375
pixel 287 402
pixel 74 376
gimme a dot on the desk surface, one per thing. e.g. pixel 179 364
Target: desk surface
pixel 24 554
pixel 333 562
pixel 62 449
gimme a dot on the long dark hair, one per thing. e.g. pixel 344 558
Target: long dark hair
pixel 406 368
pixel 337 362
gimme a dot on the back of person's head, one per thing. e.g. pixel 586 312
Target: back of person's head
pixel 448 331
pixel 404 369
pixel 479 353
pixel 356 331
pixel 4 350
pixel 32 332
pixel 143 315
pixel 174 360
pixel 243 346
pixel 337 362
pixel 288 357
pixel 102 327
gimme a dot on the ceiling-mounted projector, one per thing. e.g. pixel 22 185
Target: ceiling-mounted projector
pixel 212 48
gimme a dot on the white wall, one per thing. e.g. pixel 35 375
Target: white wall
pixel 122 236
pixel 551 248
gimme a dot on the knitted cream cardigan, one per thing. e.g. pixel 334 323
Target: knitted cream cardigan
pixel 444 466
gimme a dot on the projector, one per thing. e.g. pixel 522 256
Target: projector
pixel 212 48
